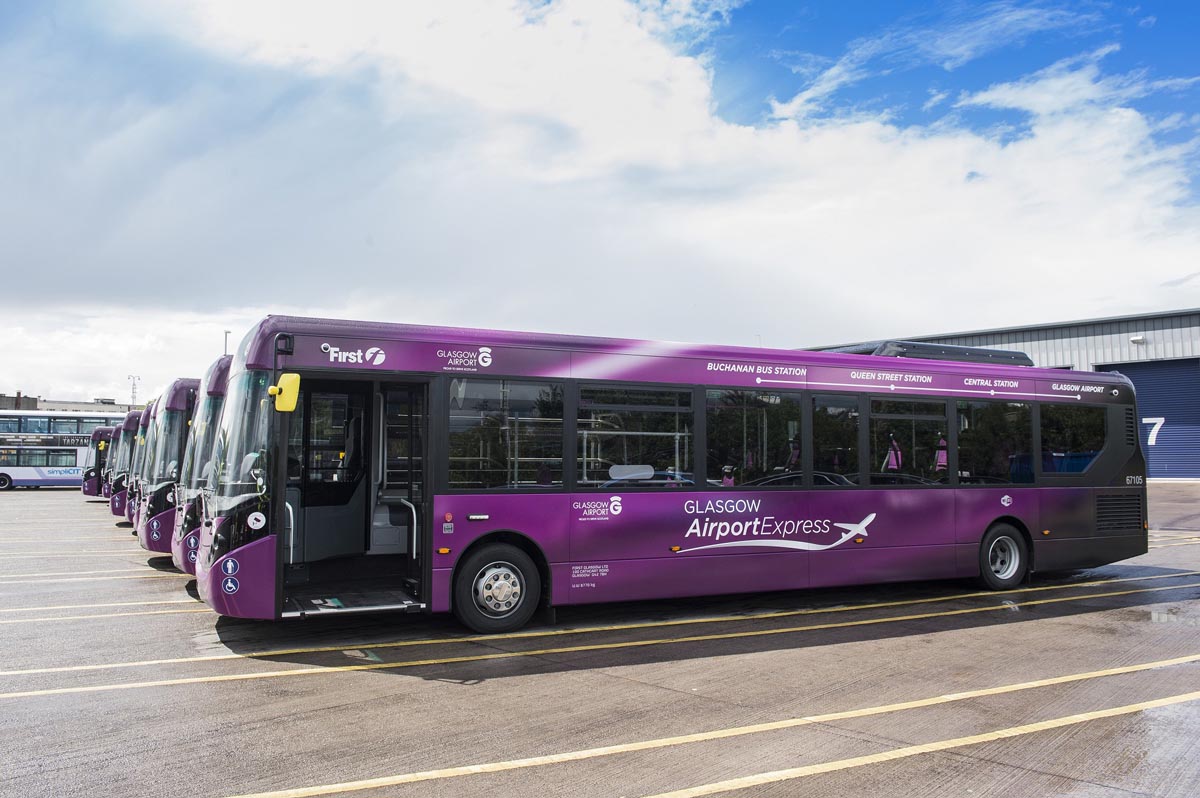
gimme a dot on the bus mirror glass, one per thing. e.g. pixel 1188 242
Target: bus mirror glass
pixel 102 446
pixel 286 392
pixel 631 472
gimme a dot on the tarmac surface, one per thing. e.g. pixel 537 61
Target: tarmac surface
pixel 115 681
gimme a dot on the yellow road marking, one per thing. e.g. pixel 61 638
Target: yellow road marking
pixel 1169 545
pixel 101 615
pixel 924 748
pixel 91 579
pixel 716 734
pixel 542 633
pixel 98 606
pixel 72 573
pixel 628 644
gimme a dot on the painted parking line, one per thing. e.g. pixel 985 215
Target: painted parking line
pixel 52 619
pixel 70 573
pixel 588 648
pixel 98 606
pixel 698 737
pixel 95 578
pixel 925 748
pixel 549 633
pixel 83 555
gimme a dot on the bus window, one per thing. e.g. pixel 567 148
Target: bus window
pixel 1072 436
pixel 86 425
pixel 8 457
pixel 908 442
pixel 63 457
pixel 995 443
pixel 753 437
pixel 36 424
pixel 10 424
pixel 32 457
pixel 635 427
pixel 64 426
pixel 505 434
pixel 835 436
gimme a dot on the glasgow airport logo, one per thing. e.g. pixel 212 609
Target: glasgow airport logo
pixel 372 357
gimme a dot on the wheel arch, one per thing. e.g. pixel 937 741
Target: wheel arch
pixel 513 538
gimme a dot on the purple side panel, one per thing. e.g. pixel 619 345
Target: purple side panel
pixel 116 504
pixel 242 583
pixel 155 533
pixel 91 487
pixel 131 503
pixel 107 490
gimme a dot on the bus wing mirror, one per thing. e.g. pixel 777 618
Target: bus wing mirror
pixel 102 446
pixel 286 392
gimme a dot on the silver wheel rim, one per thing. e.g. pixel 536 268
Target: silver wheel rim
pixel 498 589
pixel 1004 558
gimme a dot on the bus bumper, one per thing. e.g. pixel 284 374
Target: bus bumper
pixel 185 550
pixel 241 583
pixel 155 533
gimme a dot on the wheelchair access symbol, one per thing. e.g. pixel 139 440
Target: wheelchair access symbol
pixel 192 555
pixel 229 585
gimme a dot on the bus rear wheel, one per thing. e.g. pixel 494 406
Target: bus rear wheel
pixel 497 589
pixel 5 482
pixel 1003 558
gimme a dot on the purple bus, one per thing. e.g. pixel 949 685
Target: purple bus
pixel 142 445
pixel 197 465
pixel 93 465
pixel 121 461
pixel 366 466
pixel 156 510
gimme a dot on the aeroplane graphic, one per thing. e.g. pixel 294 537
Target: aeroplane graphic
pixel 857 529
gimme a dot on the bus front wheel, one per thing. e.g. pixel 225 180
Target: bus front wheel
pixel 497 589
pixel 5 482
pixel 1003 558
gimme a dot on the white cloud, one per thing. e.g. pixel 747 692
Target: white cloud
pixel 553 167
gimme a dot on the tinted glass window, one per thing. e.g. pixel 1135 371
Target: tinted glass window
pixel 8 457
pixel 33 457
pixel 335 448
pixel 35 424
pixel 88 424
pixel 908 442
pixel 634 436
pixel 835 439
pixel 505 434
pixel 10 424
pixel 995 443
pixel 63 457
pixel 752 436
pixel 1072 437
pixel 68 426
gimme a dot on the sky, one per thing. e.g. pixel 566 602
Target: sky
pixel 788 174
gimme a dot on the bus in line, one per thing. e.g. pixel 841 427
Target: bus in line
pixel 142 445
pixel 120 462
pixel 197 465
pixel 94 462
pixel 155 515
pixel 43 448
pixel 366 466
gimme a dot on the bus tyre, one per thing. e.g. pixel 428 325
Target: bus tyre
pixel 5 482
pixel 1003 558
pixel 497 589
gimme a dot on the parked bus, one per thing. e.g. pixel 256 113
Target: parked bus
pixel 41 448
pixel 142 444
pixel 196 469
pixel 156 512
pixel 121 460
pixel 93 464
pixel 367 466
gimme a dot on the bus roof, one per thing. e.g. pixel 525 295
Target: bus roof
pixel 217 376
pixel 102 434
pixel 332 344
pixel 148 413
pixel 175 397
pixel 131 420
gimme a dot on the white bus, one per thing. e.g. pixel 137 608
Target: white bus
pixel 47 447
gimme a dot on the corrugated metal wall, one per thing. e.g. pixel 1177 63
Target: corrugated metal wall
pixel 1085 346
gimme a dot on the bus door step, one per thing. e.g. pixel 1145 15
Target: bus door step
pixel 314 601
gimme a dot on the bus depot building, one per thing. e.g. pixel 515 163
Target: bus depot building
pixel 1159 352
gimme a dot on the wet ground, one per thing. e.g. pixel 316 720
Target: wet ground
pixel 115 681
